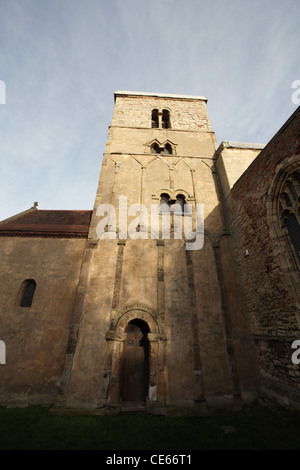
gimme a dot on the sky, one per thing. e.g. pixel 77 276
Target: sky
pixel 62 60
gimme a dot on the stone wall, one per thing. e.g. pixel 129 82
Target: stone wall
pixel 134 110
pixel 232 159
pixel 36 337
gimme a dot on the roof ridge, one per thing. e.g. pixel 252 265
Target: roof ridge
pixel 20 214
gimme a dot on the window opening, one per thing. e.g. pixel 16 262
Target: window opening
pixel 164 203
pixel 155 148
pixel 28 293
pixel 154 118
pixel 168 149
pixel 165 119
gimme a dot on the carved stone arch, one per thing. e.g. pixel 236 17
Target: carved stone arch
pixel 283 170
pixel 179 191
pixel 153 141
pixel 156 194
pixel 141 312
pixel 116 338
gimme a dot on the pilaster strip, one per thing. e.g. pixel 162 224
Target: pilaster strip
pixel 198 379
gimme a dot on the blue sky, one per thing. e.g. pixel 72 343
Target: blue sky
pixel 62 60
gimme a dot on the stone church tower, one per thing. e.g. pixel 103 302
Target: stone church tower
pixel 178 290
pixel 158 321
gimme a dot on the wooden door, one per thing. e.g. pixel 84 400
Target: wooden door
pixel 135 370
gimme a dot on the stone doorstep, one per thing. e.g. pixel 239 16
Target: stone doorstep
pixel 132 406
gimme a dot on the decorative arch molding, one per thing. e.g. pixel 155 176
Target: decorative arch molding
pixel 282 249
pixel 116 338
pixel 132 312
pixel 172 193
pixel 167 147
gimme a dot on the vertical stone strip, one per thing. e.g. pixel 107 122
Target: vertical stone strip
pixel 118 275
pixel 113 193
pixel 160 280
pixel 198 379
pixel 228 332
pixel 159 347
pixel 196 195
pixel 171 173
pixel 75 323
pixel 114 348
pixel 143 168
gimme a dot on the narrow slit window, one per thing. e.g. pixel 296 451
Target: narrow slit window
pixel 28 291
pixel 154 118
pixel 165 119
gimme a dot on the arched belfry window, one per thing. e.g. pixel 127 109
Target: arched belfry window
pixel 166 119
pixel 27 292
pixel 155 148
pixel 179 204
pixel 167 204
pixel 164 202
pixel 154 118
pixel 168 149
pixel 165 148
pixel 289 210
pixel 160 119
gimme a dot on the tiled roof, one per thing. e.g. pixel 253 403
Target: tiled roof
pixel 48 223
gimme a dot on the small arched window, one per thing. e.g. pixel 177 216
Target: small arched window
pixel 154 118
pixel 166 119
pixel 168 149
pixel 155 148
pixel 179 204
pixel 27 292
pixel 164 202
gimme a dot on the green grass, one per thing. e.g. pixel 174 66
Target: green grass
pixel 258 427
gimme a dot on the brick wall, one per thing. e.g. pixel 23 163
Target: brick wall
pixel 270 278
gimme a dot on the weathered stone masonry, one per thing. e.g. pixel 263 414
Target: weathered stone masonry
pixel 270 273
pixel 197 329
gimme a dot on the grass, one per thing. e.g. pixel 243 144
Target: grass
pixel 255 428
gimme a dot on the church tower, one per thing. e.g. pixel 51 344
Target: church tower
pixel 159 319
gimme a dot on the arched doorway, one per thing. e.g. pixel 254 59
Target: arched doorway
pixel 134 377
